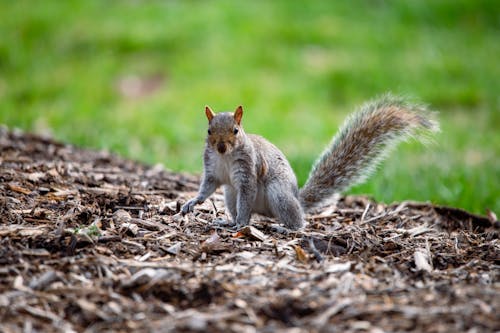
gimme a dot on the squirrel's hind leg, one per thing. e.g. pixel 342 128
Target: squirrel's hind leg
pixel 286 207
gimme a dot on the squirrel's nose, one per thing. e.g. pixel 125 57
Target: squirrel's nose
pixel 221 147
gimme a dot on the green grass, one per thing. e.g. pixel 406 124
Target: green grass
pixel 297 67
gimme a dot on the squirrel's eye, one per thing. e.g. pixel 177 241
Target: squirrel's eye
pixel 209 132
pixel 235 131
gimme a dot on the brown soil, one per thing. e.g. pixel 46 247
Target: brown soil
pixel 90 241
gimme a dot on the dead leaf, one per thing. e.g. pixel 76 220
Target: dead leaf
pixel 252 233
pixel 301 254
pixel 213 244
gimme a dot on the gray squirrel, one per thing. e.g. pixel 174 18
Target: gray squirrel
pixel 257 177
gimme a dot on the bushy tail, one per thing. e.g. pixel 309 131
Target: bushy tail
pixel 362 142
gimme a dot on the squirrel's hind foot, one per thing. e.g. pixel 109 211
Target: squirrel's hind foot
pixel 225 223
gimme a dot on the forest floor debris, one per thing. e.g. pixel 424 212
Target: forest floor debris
pixel 92 242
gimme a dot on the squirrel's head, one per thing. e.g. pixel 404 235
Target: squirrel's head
pixel 224 130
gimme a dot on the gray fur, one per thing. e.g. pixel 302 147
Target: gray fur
pixel 257 177
pixel 362 142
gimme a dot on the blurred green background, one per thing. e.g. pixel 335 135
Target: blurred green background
pixel 134 77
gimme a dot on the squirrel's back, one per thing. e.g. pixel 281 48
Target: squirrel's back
pixel 362 142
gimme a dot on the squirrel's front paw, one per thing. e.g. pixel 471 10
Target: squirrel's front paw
pixel 188 207
pixel 240 223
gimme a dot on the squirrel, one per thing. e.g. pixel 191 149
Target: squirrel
pixel 257 178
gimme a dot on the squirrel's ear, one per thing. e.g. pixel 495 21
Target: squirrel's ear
pixel 210 114
pixel 238 114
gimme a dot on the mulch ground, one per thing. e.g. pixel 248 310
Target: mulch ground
pixel 93 242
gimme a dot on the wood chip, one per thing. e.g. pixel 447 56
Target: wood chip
pixel 422 260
